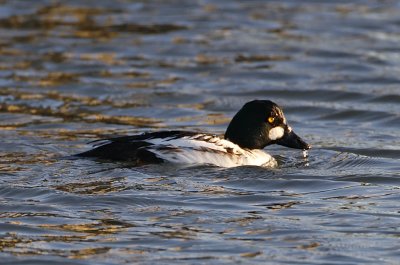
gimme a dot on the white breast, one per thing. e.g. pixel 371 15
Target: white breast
pixel 207 149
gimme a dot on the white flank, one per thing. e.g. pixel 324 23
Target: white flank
pixel 207 149
pixel 276 133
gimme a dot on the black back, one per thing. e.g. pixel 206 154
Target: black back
pixel 131 148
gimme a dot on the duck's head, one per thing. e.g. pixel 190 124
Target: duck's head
pixel 260 123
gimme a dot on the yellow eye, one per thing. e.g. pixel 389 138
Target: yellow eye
pixel 271 119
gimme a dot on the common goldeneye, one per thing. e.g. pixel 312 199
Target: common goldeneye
pixel 257 124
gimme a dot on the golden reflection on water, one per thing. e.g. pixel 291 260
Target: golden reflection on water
pixel 68 111
pixel 95 187
pixel 22 246
pixel 81 232
pixel 54 15
pixel 75 22
pixel 104 227
pixel 17 161
pixel 105 58
pixel 58 78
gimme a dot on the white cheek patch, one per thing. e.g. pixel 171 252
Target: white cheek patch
pixel 276 133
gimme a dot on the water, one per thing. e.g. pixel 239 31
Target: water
pixel 74 72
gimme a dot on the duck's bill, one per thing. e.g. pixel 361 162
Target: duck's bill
pixel 292 140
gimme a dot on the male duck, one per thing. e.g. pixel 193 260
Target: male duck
pixel 257 124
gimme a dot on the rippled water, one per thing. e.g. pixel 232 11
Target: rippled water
pixel 74 72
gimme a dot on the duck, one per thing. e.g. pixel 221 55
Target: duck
pixel 259 123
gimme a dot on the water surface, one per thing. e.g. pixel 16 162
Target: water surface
pixel 74 72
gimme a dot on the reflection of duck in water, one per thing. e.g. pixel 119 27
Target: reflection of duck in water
pixel 259 123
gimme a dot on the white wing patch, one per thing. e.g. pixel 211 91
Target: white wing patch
pixel 207 149
pixel 276 133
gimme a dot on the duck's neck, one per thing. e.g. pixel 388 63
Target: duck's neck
pixel 245 137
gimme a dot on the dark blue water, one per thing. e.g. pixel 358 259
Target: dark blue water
pixel 78 71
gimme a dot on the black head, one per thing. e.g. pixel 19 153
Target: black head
pixel 260 123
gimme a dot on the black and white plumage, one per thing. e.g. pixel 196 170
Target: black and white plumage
pixel 259 123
